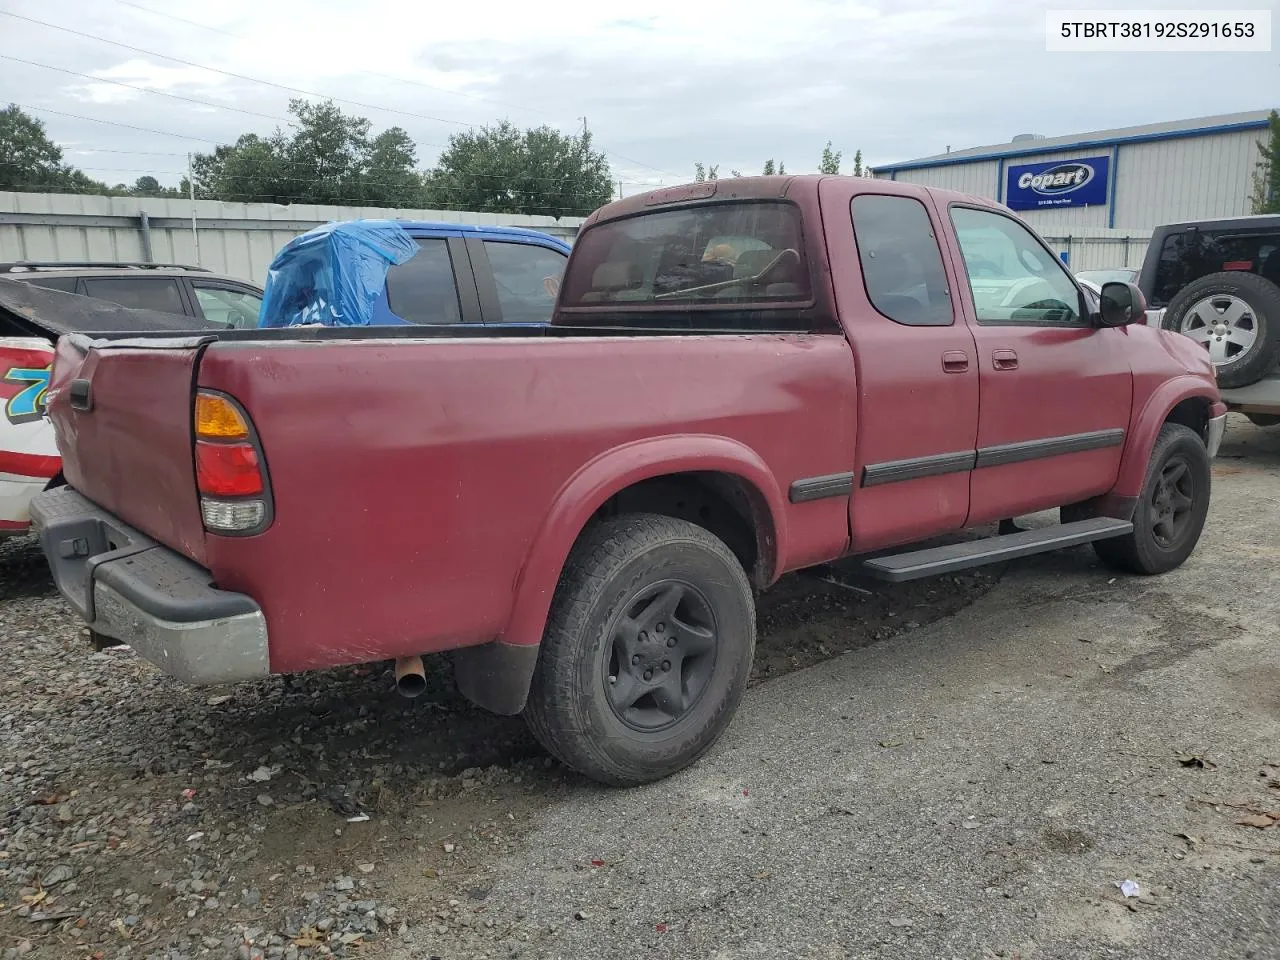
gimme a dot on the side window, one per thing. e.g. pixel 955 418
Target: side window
pixel 66 284
pixel 236 309
pixel 423 288
pixel 527 278
pixel 901 263
pixel 140 293
pixel 1013 278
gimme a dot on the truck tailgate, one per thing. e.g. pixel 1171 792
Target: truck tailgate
pixel 122 413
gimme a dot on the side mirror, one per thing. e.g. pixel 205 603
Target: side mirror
pixel 1122 304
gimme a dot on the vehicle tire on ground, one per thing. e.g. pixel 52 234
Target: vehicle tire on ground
pixel 647 650
pixel 1236 317
pixel 1171 508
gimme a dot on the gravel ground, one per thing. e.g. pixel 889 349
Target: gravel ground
pixel 315 816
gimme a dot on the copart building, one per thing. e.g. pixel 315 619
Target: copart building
pixel 1097 196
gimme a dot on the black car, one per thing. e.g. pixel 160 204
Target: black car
pixel 1218 282
pixel 213 299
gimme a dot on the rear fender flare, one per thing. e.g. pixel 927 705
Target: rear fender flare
pixel 1146 426
pixel 614 471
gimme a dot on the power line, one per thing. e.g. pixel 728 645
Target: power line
pixel 113 123
pixel 368 73
pixel 155 93
pixel 286 88
pixel 228 73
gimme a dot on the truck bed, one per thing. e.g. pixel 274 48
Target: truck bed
pixel 404 533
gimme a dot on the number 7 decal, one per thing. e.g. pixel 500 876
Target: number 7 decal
pixel 27 405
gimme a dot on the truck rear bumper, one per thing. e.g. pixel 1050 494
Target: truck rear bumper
pixel 132 589
pixel 1261 397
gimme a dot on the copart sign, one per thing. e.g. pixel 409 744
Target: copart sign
pixel 1057 183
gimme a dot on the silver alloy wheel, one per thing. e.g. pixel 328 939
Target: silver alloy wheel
pixel 1224 325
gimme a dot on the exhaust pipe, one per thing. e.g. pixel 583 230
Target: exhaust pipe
pixel 411 677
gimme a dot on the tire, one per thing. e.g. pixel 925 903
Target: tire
pixel 658 588
pixel 1247 309
pixel 1165 529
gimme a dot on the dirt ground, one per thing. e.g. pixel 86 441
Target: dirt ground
pixel 147 819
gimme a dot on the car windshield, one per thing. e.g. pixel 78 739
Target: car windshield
pixel 727 253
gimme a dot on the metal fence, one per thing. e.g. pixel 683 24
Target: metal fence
pixel 237 239
pixel 1102 249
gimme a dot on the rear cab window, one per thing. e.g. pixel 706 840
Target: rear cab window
pixel 901 263
pixel 728 254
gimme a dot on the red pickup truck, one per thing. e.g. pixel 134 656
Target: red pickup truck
pixel 741 378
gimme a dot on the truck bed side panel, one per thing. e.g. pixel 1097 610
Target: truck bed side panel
pixel 411 478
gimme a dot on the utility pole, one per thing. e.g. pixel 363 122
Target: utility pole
pixel 584 125
pixel 191 189
pixel 619 189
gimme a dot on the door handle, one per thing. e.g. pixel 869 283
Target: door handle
pixel 1004 359
pixel 955 361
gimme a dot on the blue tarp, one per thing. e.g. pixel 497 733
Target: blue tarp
pixel 333 275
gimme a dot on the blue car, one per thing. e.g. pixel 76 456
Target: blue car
pixel 468 274
pixel 435 273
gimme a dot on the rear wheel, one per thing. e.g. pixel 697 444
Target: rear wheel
pixel 647 650
pixel 1171 509
pixel 1236 318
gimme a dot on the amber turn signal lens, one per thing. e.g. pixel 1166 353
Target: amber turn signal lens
pixel 218 419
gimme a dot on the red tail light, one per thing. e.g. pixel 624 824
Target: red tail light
pixel 230 474
pixel 227 469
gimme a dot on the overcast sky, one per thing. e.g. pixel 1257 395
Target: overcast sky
pixel 662 83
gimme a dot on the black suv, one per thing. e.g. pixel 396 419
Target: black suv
pixel 217 300
pixel 1218 282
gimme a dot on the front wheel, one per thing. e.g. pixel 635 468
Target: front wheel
pixel 1171 510
pixel 647 650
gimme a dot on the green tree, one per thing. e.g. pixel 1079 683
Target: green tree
pixel 390 176
pixel 703 173
pixel 857 164
pixel 1266 175
pixel 324 157
pixel 502 169
pixel 31 162
pixel 830 162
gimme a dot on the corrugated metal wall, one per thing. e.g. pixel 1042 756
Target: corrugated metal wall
pixel 976 178
pixel 1168 181
pixel 1162 181
pixel 238 239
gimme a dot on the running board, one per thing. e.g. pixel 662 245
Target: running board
pixel 975 553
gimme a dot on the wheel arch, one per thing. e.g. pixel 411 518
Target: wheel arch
pixel 718 483
pixel 649 476
pixel 1187 400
